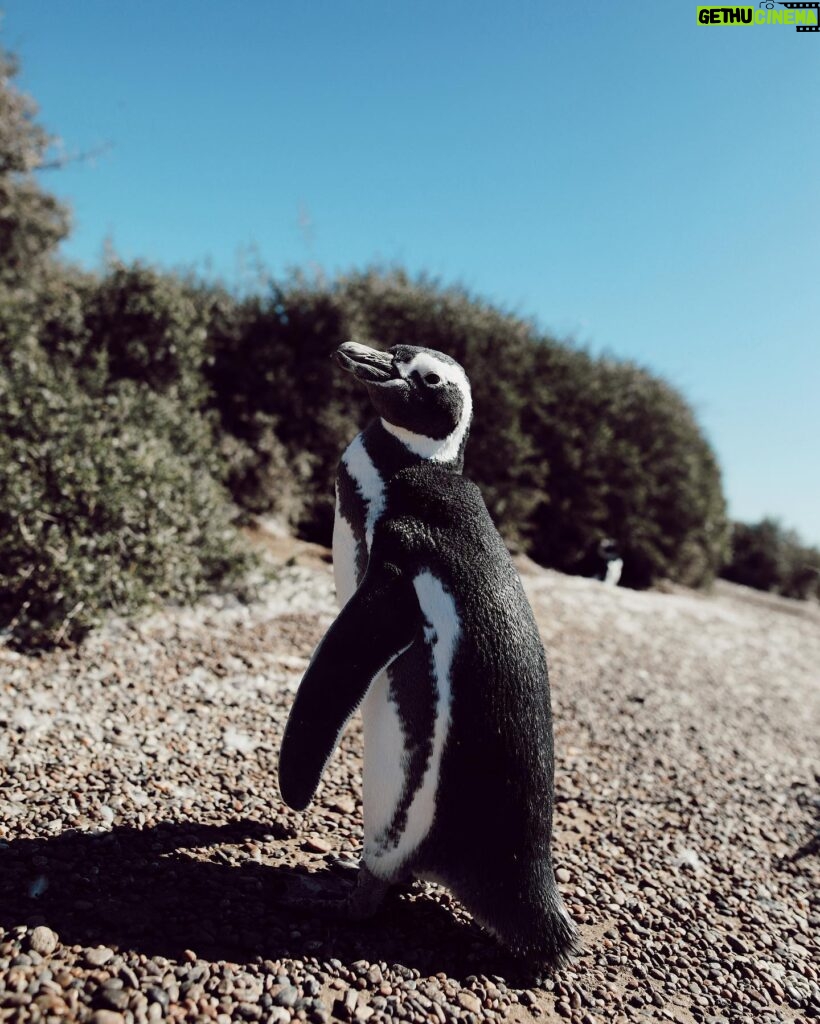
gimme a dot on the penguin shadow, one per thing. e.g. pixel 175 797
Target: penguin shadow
pixel 147 891
pixel 808 800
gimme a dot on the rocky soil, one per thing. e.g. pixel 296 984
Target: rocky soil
pixel 145 856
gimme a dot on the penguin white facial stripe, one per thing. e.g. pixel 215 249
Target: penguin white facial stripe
pixel 425 363
pixel 367 480
pixel 441 631
pixel 436 450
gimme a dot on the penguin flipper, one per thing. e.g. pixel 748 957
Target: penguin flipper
pixel 376 625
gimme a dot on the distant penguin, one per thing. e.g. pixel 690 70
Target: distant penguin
pixel 437 638
pixel 605 563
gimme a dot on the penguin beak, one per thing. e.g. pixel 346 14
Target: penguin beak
pixel 367 364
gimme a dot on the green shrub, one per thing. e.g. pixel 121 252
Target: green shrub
pixel 262 477
pixel 271 369
pixel 767 556
pixel 622 457
pixel 108 502
pixel 145 326
pixel 110 470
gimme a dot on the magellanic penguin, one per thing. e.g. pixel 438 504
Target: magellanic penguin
pixel 437 639
pixel 606 563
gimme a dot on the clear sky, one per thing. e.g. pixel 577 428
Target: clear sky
pixel 644 185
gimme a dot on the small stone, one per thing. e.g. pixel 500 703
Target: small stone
pixel 736 944
pixel 469 1002
pixel 16 998
pixel 157 995
pixel 43 940
pixel 53 1004
pixel 107 1017
pixel 286 996
pixel 111 995
pixel 318 845
pixel 99 956
pixel 563 875
pixel 128 977
pixel 344 805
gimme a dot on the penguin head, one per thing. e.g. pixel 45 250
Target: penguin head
pixel 608 549
pixel 422 396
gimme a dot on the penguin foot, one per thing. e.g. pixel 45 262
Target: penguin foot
pixel 362 903
pixel 367 898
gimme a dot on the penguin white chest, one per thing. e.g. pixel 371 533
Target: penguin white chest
pixel 384 741
pixel 613 572
pixel 386 744
pixel 387 850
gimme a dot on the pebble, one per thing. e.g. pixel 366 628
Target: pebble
pixel 155 994
pixel 107 1017
pixel 344 805
pixel 286 996
pixel 43 940
pixel 98 956
pixel 469 1001
pixel 318 845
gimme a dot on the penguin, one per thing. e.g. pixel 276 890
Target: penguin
pixel 606 563
pixel 437 641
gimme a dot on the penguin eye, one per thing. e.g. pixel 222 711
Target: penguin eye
pixel 432 378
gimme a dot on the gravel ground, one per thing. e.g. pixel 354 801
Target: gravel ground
pixel 145 856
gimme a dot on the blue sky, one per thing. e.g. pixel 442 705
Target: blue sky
pixel 634 181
